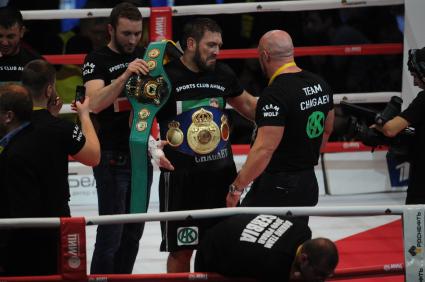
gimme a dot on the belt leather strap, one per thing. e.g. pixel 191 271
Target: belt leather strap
pixel 146 94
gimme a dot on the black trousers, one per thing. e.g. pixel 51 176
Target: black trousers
pixel 284 189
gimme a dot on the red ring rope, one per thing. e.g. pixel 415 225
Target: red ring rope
pixel 341 50
pixel 347 273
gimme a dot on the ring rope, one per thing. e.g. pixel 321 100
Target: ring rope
pixel 229 8
pixel 330 147
pixel 208 213
pixel 341 50
pixel 343 273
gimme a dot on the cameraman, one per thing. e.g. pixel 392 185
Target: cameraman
pixel 413 116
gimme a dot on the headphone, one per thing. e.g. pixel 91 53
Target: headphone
pixel 417 65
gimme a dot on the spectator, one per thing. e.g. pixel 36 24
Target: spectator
pixel 13 56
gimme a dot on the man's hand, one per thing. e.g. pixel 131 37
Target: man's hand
pixel 54 106
pixel 81 108
pixel 232 199
pixel 164 163
pixel 138 66
pixel 157 154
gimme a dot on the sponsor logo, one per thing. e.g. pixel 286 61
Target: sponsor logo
pixel 270 110
pixel 315 124
pixel 160 28
pixel 11 68
pixel 413 251
pixel 314 102
pixel 393 266
pixel 419 238
pixel 265 230
pixel 349 145
pixel 74 250
pixel 88 68
pixel 200 86
pixel 77 134
pixel 118 67
pixel 187 236
pixel 404 171
pixel 311 90
pixel 216 156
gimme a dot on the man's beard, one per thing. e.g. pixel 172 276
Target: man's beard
pixel 11 51
pixel 202 65
pixel 120 47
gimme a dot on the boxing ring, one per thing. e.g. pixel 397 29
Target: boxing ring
pixel 73 255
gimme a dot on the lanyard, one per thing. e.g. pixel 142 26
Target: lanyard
pixel 6 139
pixel 280 69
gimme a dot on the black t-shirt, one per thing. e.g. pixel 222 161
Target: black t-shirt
pixel 11 67
pixel 192 90
pixel 35 167
pixel 299 102
pixel 415 115
pixel 57 139
pixel 252 246
pixel 112 127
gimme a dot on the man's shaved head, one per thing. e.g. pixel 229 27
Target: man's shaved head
pixel 277 43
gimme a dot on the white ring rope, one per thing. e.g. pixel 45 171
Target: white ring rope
pixel 215 9
pixel 208 213
pixel 362 98
pixel 358 98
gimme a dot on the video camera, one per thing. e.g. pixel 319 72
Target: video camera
pixel 361 118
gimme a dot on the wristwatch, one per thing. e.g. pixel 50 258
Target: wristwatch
pixel 234 190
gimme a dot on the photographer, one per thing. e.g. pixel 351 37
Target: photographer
pixel 413 116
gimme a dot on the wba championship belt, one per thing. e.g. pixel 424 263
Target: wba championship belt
pixel 199 131
pixel 146 94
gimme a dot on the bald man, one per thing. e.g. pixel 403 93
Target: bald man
pixel 294 117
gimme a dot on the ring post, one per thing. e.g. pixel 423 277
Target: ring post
pixel 413 230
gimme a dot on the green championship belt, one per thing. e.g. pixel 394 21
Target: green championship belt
pixel 146 94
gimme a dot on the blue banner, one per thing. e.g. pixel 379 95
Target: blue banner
pixel 398 172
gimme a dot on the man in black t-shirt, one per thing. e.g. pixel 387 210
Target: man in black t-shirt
pixel 266 248
pixel 13 56
pixel 413 116
pixel 294 117
pixel 196 126
pixel 34 168
pixel 64 137
pixel 105 72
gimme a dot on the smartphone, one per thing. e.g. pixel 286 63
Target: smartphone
pixel 80 93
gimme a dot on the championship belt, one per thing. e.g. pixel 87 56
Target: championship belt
pixel 146 94
pixel 199 131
